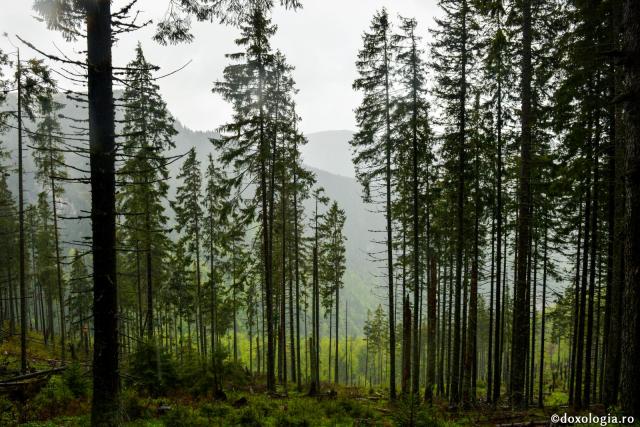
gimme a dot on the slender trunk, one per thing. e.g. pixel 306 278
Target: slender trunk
pixel 292 341
pixel 497 368
pixel 416 232
pixel 615 213
pixel 296 260
pixel 583 290
pixel 576 311
pixel 148 254
pixel 520 309
pixel 454 395
pixel 392 323
pixel 586 400
pixel 431 332
pixel 266 239
pixel 532 352
pixel 139 292
pixel 21 240
pixel 336 357
pixel 490 329
pixel 406 344
pixel 56 242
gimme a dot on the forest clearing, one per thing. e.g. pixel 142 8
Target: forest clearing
pixel 180 245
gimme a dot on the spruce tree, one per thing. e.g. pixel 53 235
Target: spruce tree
pixel 149 131
pixel 333 263
pixel 189 220
pixel 245 143
pixel 412 131
pixel 452 55
pixel 372 144
pixel 50 167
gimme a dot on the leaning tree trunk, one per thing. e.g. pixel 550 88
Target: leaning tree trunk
pixel 105 409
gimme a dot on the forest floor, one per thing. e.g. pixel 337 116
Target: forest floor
pixel 63 399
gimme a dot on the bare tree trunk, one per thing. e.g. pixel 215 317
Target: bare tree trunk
pixel 431 332
pixel 406 344
pixel 576 312
pixel 21 239
pixel 543 319
pixel 592 272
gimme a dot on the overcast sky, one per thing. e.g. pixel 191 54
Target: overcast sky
pixel 321 41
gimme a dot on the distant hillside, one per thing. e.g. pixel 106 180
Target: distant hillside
pixel 327 149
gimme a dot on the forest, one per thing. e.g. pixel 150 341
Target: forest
pixel 485 269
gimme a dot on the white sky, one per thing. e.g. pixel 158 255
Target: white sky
pixel 321 41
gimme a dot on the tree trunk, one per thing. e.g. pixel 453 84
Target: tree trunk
pixel 576 311
pixel 56 242
pixel 431 332
pixel 520 335
pixel 391 289
pixel 21 239
pixel 406 344
pixel 335 374
pixel 586 400
pixel 416 231
pixel 583 291
pixel 543 319
pixel 630 387
pixel 296 260
pixel 105 409
pixel 266 241
pixel 497 367
pixel 454 395
pixel 615 213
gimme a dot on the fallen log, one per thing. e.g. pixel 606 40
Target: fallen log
pixel 31 375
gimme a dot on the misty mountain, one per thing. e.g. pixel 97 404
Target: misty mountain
pixel 327 155
pixel 329 151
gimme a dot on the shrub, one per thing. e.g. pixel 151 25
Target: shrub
pixel 213 411
pixel 76 380
pixel 249 417
pixel 52 400
pixel 195 376
pixel 8 412
pixel 235 374
pixel 289 420
pixel 152 370
pixel 132 406
pixel 182 416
